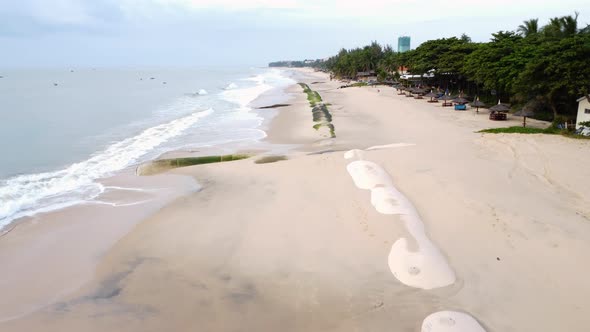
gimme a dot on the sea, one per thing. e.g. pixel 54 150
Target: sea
pixel 63 130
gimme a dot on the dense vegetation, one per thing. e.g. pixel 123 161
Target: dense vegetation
pixel 296 64
pixel 548 66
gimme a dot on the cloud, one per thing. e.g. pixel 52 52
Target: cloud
pixel 398 11
pixel 162 32
pixel 27 18
pixel 233 4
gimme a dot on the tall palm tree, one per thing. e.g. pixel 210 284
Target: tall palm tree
pixel 569 24
pixel 529 27
pixel 389 63
pixel 553 28
pixel 560 27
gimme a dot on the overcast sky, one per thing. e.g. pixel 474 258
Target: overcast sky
pixel 89 33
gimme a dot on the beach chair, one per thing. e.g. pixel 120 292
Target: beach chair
pixel 460 107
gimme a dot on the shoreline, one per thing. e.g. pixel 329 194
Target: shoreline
pixel 127 201
pixel 307 247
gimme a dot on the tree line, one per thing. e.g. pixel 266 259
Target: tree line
pixel 548 65
pixel 296 64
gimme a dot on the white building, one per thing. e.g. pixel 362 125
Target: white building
pixel 583 110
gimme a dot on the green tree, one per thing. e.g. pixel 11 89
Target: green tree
pixel 529 28
pixel 558 73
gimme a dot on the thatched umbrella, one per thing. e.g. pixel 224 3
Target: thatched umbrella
pixel 500 107
pixel 419 92
pixel 477 104
pixel 445 98
pixel 526 111
pixel 460 100
pixel 431 95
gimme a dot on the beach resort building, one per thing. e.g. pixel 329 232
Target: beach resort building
pixel 402 70
pixel 366 76
pixel 583 110
pixel 403 44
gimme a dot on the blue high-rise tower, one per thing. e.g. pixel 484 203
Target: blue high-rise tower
pixel 403 44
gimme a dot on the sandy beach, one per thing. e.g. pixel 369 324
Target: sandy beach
pixel 496 226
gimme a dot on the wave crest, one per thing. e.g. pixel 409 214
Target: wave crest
pixel 26 195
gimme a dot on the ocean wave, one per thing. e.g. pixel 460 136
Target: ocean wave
pixel 27 195
pixel 202 92
pixel 243 97
pixel 231 86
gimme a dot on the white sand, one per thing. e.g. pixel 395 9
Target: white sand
pixel 296 246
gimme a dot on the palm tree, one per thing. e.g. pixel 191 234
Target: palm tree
pixel 569 24
pixel 389 63
pixel 530 27
pixel 553 29
pixel 560 27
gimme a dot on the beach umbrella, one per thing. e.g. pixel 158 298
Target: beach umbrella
pixel 431 95
pixel 445 98
pixel 526 111
pixel 477 104
pixel 500 107
pixel 460 100
pixel 419 90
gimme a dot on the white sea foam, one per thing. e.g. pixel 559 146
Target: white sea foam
pixel 244 96
pixel 231 86
pixel 202 92
pixel 274 77
pixel 27 195
pixel 425 268
pixel 106 188
pixel 451 321
pixel 116 204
